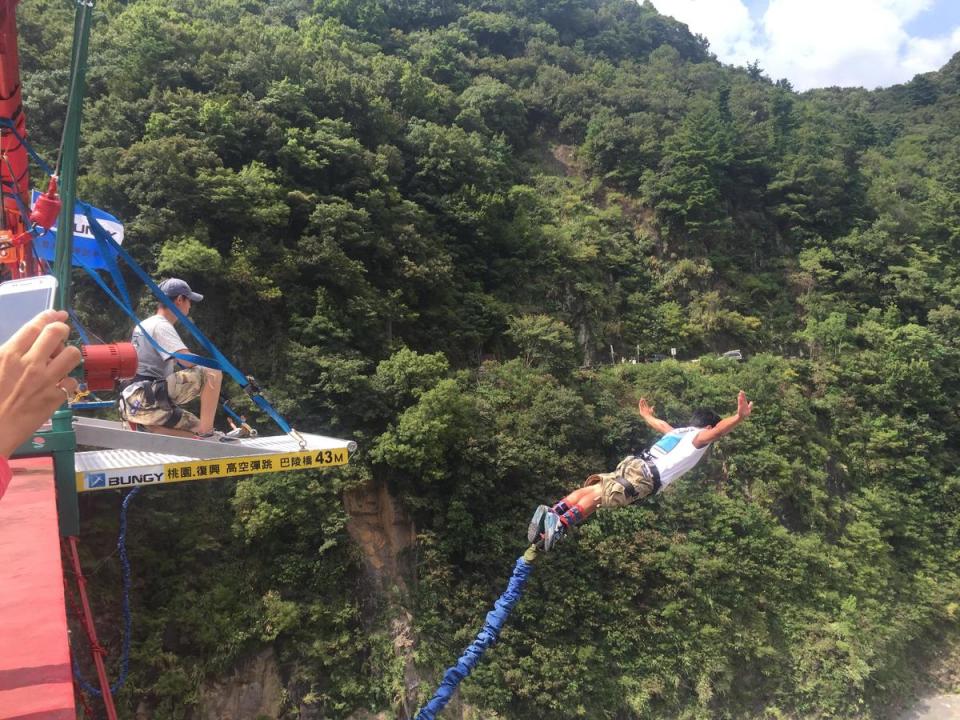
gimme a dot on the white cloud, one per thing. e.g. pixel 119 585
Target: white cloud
pixel 925 54
pixel 817 43
pixel 726 23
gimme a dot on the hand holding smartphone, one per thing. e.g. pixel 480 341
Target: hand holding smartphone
pixel 34 359
pixel 22 300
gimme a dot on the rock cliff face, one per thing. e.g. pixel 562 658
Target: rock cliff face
pixel 253 691
pixel 386 536
pixel 384 533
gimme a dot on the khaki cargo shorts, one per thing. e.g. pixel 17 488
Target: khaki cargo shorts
pixel 155 405
pixel 613 494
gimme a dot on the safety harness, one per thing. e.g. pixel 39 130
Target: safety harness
pixel 154 395
pixel 652 471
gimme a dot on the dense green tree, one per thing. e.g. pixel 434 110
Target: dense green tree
pixel 464 235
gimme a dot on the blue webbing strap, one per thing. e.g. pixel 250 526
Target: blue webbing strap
pixel 231 412
pixel 487 636
pixel 84 338
pixel 111 249
pixel 109 259
pixel 40 261
pixel 195 359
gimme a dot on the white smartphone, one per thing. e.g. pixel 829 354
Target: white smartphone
pixel 21 300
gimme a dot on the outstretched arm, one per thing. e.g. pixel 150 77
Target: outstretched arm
pixel 647 413
pixel 709 435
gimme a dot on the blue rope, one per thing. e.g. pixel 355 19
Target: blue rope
pixel 7 123
pixel 127 617
pixel 486 637
pixel 24 210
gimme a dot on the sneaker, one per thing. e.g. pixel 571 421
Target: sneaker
pixel 559 535
pixel 536 524
pixel 215 436
pixel 553 530
pixel 212 435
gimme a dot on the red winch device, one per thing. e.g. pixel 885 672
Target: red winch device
pixel 103 365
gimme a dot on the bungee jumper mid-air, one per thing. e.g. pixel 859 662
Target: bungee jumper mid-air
pixel 637 476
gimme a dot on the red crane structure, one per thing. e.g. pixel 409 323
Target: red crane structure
pixel 17 257
pixel 35 652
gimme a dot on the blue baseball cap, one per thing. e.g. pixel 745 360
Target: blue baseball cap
pixel 175 287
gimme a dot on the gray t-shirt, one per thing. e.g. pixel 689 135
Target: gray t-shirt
pixel 153 363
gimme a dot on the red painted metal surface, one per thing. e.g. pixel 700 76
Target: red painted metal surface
pixel 90 628
pixel 14 161
pixel 36 680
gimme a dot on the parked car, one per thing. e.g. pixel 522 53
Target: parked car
pixel 733 355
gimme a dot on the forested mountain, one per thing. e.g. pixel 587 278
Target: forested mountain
pixel 447 230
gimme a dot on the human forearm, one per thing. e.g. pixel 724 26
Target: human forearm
pixel 661 426
pixel 649 417
pixel 727 425
pixel 714 433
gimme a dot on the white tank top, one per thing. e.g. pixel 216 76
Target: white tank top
pixel 674 453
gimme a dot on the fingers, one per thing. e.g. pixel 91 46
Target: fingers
pixel 49 342
pixel 64 362
pixel 744 407
pixel 27 335
pixel 56 395
pixel 69 384
pixel 41 345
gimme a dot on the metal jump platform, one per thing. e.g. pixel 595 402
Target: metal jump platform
pixel 127 458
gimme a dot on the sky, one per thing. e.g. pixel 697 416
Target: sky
pixel 821 43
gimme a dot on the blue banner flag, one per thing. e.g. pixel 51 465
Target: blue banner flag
pixel 86 248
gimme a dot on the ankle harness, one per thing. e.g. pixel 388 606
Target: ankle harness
pixel 572 517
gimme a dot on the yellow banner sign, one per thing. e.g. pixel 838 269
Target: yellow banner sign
pixel 210 469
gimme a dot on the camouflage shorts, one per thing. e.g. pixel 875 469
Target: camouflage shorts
pixel 613 494
pixel 159 404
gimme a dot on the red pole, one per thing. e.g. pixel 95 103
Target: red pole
pixel 96 648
